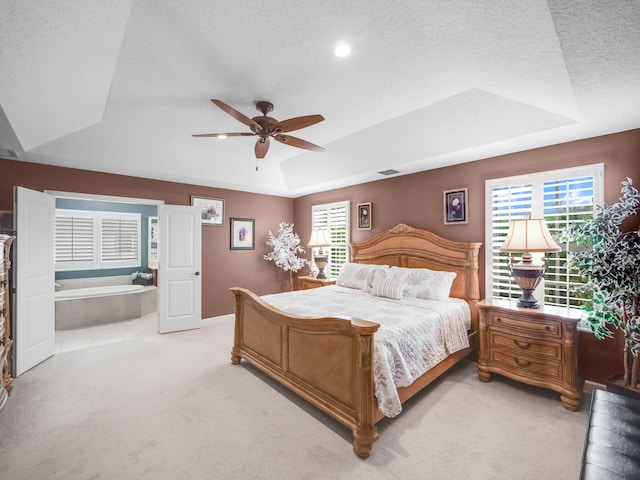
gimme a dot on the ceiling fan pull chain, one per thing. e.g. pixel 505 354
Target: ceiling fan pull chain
pixel 256 164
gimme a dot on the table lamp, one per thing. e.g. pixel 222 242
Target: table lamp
pixel 528 236
pixel 320 239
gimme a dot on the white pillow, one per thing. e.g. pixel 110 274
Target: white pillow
pixel 354 275
pixel 423 283
pixel 371 278
pixel 388 288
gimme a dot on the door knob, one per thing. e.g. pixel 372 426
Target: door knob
pixel 197 273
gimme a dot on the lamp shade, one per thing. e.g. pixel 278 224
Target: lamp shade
pixel 529 235
pixel 319 238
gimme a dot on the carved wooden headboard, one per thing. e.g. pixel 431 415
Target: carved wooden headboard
pixel 405 246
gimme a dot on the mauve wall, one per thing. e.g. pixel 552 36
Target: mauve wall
pixel 222 268
pixel 417 201
pixel 413 199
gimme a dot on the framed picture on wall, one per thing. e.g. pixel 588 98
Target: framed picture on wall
pixel 364 216
pixel 212 209
pixel 243 234
pixel 455 206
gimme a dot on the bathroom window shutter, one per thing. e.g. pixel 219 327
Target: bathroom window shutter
pixel 73 239
pixel 120 240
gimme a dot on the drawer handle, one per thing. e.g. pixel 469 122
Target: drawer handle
pixel 547 328
pixel 524 346
pixel 523 364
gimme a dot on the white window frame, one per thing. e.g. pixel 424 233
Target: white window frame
pixel 537 181
pixel 333 267
pixel 97 263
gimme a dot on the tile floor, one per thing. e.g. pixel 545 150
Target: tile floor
pixel 68 340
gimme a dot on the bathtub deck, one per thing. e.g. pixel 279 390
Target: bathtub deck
pixel 94 311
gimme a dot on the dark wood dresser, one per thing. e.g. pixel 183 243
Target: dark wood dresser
pixel 5 321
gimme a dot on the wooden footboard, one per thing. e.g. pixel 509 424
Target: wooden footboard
pixel 327 361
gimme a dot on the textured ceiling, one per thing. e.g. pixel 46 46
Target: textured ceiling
pixel 120 86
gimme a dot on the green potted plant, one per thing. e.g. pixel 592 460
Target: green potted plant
pixel 286 246
pixel 610 264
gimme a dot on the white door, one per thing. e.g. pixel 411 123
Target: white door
pixel 179 267
pixel 35 277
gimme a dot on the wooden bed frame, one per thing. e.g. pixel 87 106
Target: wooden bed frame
pixel 329 361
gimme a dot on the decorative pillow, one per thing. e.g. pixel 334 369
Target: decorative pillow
pixel 371 278
pixel 423 283
pixel 388 288
pixel 354 275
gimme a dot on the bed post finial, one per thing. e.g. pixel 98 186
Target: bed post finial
pixel 402 228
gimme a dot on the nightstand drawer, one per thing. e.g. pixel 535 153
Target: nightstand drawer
pixel 307 282
pixel 547 329
pixel 525 364
pixel 540 348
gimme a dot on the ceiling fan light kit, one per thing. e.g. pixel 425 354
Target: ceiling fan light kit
pixel 266 127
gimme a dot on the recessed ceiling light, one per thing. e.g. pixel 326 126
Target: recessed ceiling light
pixel 342 49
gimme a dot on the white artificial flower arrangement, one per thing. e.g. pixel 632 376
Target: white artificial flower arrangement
pixel 286 246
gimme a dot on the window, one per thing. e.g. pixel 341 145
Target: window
pixel 74 240
pixel 93 240
pixel 335 218
pixel 561 197
pixel 120 239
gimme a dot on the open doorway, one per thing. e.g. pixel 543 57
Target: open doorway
pixel 179 284
pixel 105 270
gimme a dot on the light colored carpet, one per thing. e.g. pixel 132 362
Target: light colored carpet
pixel 173 407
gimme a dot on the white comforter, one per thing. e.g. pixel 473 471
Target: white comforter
pixel 414 334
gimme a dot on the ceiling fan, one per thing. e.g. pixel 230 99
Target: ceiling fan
pixel 266 127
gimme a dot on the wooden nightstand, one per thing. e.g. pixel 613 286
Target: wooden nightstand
pixel 533 346
pixel 307 282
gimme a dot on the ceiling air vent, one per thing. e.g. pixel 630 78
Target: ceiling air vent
pixel 8 153
pixel 388 172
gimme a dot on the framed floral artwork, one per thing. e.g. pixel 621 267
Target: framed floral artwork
pixel 364 216
pixel 455 206
pixel 243 234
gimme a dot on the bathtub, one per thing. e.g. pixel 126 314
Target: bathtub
pixel 98 305
pixel 104 291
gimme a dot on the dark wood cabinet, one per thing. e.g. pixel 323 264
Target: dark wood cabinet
pixel 5 321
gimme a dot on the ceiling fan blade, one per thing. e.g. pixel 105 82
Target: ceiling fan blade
pixel 236 114
pixel 262 147
pixel 298 122
pixel 298 142
pixel 235 134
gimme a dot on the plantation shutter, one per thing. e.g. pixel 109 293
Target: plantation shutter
pixel 73 239
pixel 561 197
pixel 566 201
pixel 511 202
pixel 93 240
pixel 119 239
pixel 335 218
